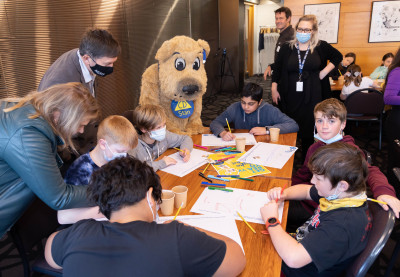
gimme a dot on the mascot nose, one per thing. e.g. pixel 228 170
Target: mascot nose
pixel 190 89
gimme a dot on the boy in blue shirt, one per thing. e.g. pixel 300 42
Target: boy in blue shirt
pixel 254 114
pixel 336 234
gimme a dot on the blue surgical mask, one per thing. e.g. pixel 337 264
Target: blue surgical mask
pixel 336 138
pixel 159 134
pixel 114 155
pixel 334 196
pixel 303 37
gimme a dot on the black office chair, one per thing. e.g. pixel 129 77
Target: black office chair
pixel 37 223
pixel 382 225
pixel 366 105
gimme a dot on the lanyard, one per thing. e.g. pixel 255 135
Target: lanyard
pixel 301 62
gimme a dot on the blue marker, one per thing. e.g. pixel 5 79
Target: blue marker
pixel 216 178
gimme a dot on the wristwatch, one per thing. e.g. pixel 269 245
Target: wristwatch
pixel 272 222
pixel 267 128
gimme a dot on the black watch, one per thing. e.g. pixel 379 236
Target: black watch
pixel 267 128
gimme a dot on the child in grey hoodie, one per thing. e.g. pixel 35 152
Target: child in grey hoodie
pixel 154 139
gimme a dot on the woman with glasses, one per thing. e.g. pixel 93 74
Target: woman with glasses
pixel 300 79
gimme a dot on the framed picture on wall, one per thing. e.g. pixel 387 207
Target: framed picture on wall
pixel 328 20
pixel 385 21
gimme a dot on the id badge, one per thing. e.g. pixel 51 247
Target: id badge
pixel 299 86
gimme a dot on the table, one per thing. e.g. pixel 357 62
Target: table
pixel 262 259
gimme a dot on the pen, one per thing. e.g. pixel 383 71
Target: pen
pixel 247 179
pixel 228 125
pixel 178 211
pixel 218 188
pixel 228 176
pixel 179 149
pixel 377 201
pixel 244 220
pixel 212 184
pixel 200 146
pixel 216 178
pixel 202 176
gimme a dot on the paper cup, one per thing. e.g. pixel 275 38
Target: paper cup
pixel 341 80
pixel 240 144
pixel 274 134
pixel 167 204
pixel 180 196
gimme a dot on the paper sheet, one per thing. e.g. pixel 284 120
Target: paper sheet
pixel 211 140
pixel 180 169
pixel 268 154
pixel 246 202
pixel 219 224
pixel 234 167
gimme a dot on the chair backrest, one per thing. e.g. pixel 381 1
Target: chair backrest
pixel 382 225
pixel 366 101
pixel 128 115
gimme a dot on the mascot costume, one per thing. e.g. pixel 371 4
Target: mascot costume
pixel 177 83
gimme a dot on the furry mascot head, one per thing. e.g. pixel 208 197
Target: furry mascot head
pixel 177 83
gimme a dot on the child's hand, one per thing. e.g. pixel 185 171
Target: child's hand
pixel 275 193
pixel 168 160
pixel 185 154
pixel 392 202
pixel 269 210
pixel 227 136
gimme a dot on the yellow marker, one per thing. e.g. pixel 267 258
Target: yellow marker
pixel 244 220
pixel 228 125
pixel 178 211
pixel 340 72
pixel 179 149
pixel 377 201
pixel 206 168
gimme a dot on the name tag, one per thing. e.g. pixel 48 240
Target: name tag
pixel 299 86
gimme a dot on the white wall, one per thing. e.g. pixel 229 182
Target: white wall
pixel 263 16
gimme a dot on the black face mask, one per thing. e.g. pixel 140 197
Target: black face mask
pixel 101 70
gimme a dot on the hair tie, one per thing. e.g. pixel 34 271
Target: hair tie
pixel 356 74
pixel 348 74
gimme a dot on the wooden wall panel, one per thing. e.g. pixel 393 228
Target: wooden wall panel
pixel 353 31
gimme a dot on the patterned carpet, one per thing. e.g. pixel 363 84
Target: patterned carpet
pixel 213 105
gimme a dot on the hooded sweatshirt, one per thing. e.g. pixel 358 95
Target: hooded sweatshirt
pixel 376 180
pixel 266 115
pixel 148 153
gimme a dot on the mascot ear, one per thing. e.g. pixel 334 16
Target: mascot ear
pixel 204 44
pixel 166 50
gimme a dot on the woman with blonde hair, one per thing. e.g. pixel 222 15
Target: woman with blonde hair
pixel 33 128
pixel 300 80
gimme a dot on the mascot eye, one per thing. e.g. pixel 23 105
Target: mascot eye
pixel 180 64
pixel 196 64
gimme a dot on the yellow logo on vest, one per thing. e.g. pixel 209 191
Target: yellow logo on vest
pixel 182 109
pixel 182 105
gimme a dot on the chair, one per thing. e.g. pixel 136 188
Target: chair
pixel 366 105
pixel 37 223
pixel 382 225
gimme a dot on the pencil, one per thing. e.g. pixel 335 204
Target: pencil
pixel 200 146
pixel 340 72
pixel 178 149
pixel 244 220
pixel 228 125
pixel 284 186
pixel 247 179
pixel 178 210
pixel 377 201
pixel 206 168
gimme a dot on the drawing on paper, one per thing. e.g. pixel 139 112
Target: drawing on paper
pixel 385 22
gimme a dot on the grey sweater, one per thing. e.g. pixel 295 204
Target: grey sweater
pixel 148 154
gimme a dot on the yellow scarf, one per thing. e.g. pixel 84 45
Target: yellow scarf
pixel 355 201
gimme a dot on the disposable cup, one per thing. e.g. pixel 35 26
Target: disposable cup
pixel 274 134
pixel 341 80
pixel 167 204
pixel 180 196
pixel 240 144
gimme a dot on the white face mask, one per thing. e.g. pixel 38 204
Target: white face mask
pixel 336 138
pixel 159 134
pixel 114 155
pixel 155 218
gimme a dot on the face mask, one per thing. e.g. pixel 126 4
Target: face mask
pixel 159 134
pixel 336 138
pixel 114 155
pixel 101 70
pixel 333 196
pixel 303 37
pixel 155 218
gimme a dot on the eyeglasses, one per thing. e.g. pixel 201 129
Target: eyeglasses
pixel 300 30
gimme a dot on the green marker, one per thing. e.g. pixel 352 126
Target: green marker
pixel 242 178
pixel 216 188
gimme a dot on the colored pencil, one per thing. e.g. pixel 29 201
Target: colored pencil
pixel 377 201
pixel 212 184
pixel 247 179
pixel 200 146
pixel 178 211
pixel 218 188
pixel 216 178
pixel 224 159
pixel 206 168
pixel 228 125
pixel 214 149
pixel 244 220
pixel 179 149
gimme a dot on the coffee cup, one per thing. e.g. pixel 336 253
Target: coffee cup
pixel 167 204
pixel 274 134
pixel 240 144
pixel 180 196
